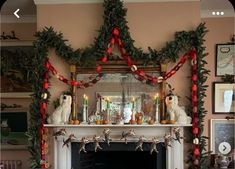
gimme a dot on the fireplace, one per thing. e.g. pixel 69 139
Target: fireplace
pixel 118 155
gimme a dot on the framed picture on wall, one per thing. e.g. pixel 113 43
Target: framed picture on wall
pixel 225 59
pixel 15 69
pixel 221 135
pixel 223 101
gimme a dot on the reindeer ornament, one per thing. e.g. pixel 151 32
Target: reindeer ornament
pixel 130 133
pixel 83 143
pixel 154 143
pixel 96 143
pixel 140 143
pixel 107 138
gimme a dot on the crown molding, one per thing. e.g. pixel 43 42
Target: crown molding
pixel 50 2
pixel 23 19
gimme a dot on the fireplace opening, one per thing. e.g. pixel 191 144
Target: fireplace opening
pixel 118 156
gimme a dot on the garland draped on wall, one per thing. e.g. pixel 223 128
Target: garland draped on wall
pixel 115 17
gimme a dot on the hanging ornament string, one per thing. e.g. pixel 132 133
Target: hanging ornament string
pixel 44 131
pixel 79 84
pixel 195 115
pixel 140 74
pixel 94 79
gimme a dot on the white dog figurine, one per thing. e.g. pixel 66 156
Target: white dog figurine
pixel 175 112
pixel 62 112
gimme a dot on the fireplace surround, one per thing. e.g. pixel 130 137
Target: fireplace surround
pixel 63 157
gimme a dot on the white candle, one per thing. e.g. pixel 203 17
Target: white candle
pixel 133 103
pixel 157 103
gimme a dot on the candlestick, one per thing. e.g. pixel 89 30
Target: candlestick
pixel 133 104
pixel 157 104
pixel 84 114
pixel 108 104
pixel 85 109
pixel 84 100
pixel 108 111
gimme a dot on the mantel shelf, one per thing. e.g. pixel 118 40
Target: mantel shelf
pixel 116 126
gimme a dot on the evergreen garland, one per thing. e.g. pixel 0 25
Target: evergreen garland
pixel 114 16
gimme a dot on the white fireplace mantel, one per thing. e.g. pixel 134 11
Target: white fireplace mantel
pixel 62 156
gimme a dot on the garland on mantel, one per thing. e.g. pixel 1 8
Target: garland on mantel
pixel 114 17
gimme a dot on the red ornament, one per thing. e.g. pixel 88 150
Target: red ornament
pixel 43 166
pixel 194 88
pixel 194 99
pixel 129 62
pixel 109 50
pixel 41 131
pixel 141 73
pixel 104 59
pixel 47 65
pixel 45 85
pixel 195 121
pixel 196 152
pixel 43 156
pixel 193 55
pixel 61 78
pixel 44 105
pixel 154 80
pixel 194 78
pixel 173 72
pixel 194 109
pixel 65 81
pixel 112 41
pixel 183 60
pixel 196 162
pixel 74 83
pixel 54 72
pixel 195 130
pixel 46 76
pixel 115 32
pixel 119 41
pixel 98 69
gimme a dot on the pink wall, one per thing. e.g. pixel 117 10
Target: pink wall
pixel 220 31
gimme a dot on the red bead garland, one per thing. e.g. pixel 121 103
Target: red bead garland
pixel 195 121
pixel 43 130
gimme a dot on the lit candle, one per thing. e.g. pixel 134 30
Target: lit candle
pixel 85 111
pixel 157 99
pixel 133 103
pixel 157 103
pixel 108 103
pixel 84 99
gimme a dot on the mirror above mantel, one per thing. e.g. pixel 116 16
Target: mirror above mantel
pixel 121 94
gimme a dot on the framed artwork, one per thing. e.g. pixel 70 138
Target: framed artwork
pixel 223 101
pixel 15 69
pixel 221 136
pixel 225 59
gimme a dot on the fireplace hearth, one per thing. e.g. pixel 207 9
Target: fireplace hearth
pixel 118 156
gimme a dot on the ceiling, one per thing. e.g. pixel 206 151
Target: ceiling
pixel 28 7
